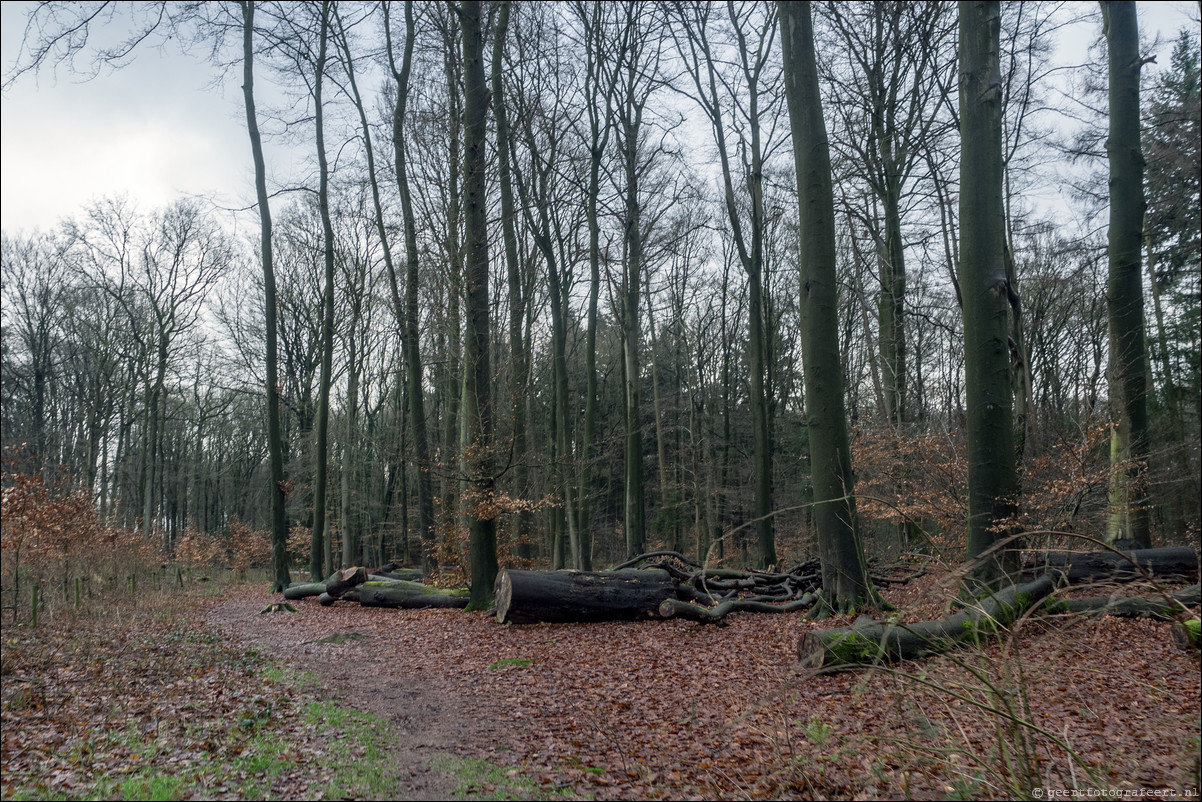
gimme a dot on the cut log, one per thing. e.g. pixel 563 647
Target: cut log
pixel 407 595
pixel 1172 563
pixel 869 642
pixel 1157 607
pixel 303 590
pixel 526 597
pixel 344 580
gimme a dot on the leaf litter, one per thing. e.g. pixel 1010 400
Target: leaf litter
pixel 622 710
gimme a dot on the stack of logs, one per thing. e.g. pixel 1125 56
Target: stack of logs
pixel 388 586
pixel 666 584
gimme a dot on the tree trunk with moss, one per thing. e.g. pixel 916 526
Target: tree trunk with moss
pixel 1129 517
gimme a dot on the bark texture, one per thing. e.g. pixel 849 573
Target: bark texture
pixel 1177 563
pixel 477 375
pixel 524 597
pixel 992 480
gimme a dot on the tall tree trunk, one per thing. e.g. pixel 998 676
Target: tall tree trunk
pixel 275 442
pixel 597 84
pixel 844 571
pixel 666 513
pixel 395 464
pixel 453 357
pixel 891 305
pixel 634 506
pixel 517 351
pixel 749 243
pixel 408 314
pixel 477 374
pixel 992 480
pixel 352 546
pixel 1129 515
pixel 321 468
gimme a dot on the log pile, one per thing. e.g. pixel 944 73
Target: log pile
pixel 666 584
pixel 385 587
pixel 663 584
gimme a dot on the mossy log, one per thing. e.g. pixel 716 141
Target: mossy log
pixel 1161 607
pixel 1171 563
pixel 869 642
pixel 1186 634
pixel 407 595
pixel 526 597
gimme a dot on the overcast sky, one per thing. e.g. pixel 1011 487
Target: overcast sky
pixel 159 128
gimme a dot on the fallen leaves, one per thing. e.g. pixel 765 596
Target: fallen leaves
pixel 147 707
pixel 620 710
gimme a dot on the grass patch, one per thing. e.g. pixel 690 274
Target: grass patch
pixel 480 779
pixel 146 704
pixel 364 738
pixel 521 662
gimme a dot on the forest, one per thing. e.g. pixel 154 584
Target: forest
pixel 795 297
pixel 558 292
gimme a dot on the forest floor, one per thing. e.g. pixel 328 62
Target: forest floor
pixel 207 698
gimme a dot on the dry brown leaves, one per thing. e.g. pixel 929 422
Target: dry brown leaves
pixel 94 703
pixel 674 709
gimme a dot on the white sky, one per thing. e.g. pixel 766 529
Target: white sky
pixel 158 129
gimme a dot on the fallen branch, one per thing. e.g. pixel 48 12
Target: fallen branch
pixel 715 615
pixel 344 580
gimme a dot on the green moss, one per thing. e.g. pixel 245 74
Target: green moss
pixel 852 647
pixel 510 661
pixel 425 590
pixel 1054 606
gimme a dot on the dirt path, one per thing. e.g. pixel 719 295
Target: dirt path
pixel 429 723
pixel 673 709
